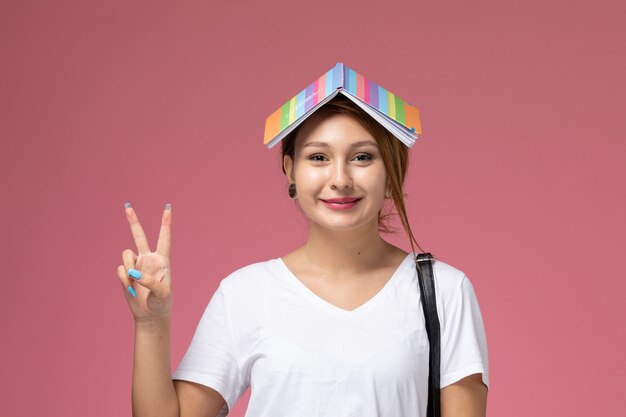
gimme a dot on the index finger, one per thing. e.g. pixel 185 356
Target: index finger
pixel 138 234
pixel 165 234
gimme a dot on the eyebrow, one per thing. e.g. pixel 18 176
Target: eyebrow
pixel 354 145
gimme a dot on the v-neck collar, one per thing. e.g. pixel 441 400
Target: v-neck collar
pixel 316 299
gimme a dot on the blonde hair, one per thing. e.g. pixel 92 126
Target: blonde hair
pixel 394 153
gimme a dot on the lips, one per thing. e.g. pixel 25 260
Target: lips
pixel 343 200
pixel 343 203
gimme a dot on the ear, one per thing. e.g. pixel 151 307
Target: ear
pixel 288 167
pixel 388 190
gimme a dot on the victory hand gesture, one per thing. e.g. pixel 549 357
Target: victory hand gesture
pixel 146 276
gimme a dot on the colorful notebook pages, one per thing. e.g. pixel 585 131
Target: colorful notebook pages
pixel 354 83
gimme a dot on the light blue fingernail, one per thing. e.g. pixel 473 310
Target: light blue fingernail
pixel 134 273
pixel 168 206
pixel 131 290
pixel 127 205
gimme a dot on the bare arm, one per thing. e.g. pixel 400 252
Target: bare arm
pixel 153 392
pixel 149 297
pixel 465 398
pixel 197 400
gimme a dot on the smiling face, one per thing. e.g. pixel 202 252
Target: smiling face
pixel 339 173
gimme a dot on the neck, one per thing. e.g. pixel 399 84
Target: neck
pixel 345 251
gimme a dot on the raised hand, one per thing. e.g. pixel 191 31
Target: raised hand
pixel 146 276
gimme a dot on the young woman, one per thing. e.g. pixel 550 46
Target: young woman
pixel 333 329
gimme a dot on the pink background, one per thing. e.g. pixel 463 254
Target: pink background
pixel 518 179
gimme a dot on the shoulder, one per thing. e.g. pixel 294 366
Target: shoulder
pixel 451 284
pixel 250 280
pixel 448 278
pixel 454 291
pixel 450 281
pixel 248 292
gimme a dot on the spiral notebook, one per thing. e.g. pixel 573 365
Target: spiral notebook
pixel 398 116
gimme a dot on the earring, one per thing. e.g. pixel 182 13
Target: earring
pixel 292 190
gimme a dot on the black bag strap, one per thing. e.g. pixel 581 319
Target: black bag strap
pixel 423 264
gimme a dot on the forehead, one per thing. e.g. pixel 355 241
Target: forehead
pixel 333 129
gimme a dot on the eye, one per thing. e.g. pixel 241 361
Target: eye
pixel 317 158
pixel 364 157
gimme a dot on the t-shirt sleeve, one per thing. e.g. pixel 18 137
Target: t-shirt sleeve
pixel 211 358
pixel 463 338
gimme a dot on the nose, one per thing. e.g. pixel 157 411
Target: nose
pixel 341 178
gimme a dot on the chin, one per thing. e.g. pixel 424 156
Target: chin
pixel 345 226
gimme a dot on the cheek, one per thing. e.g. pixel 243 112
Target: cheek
pixel 309 178
pixel 374 180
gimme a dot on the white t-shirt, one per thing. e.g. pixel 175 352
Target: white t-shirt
pixel 303 356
